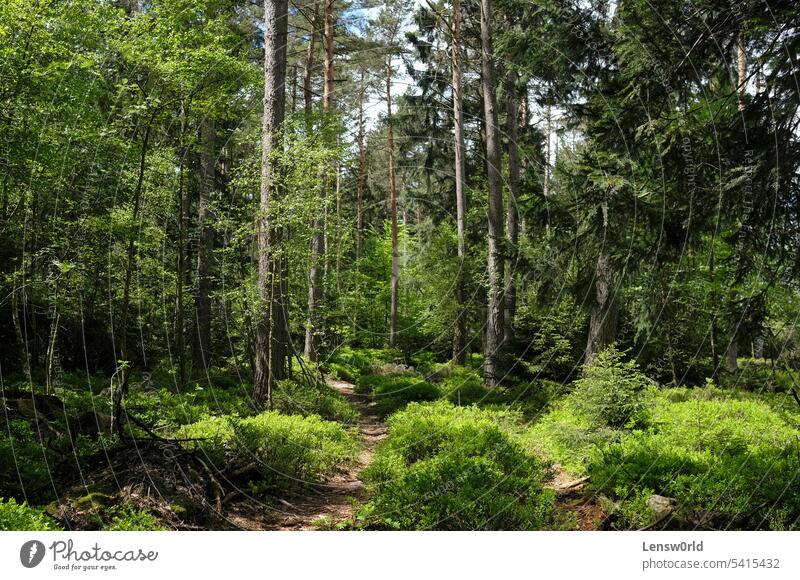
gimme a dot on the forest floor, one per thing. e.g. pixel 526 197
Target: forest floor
pixel 325 503
pixel 572 497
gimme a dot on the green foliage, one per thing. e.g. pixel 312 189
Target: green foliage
pixel 464 386
pixel 532 397
pixel 553 335
pixel 22 517
pixel 567 436
pixel 757 375
pixel 168 410
pixel 728 462
pixel 301 398
pixel 342 372
pixel 392 392
pixel 726 457
pixel 284 449
pixel 25 470
pixel 360 360
pixel 613 392
pixel 127 518
pixel 454 468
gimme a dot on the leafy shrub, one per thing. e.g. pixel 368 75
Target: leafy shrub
pixel 301 398
pixel 464 386
pixel 454 468
pixel 425 362
pixel 24 467
pixel 568 436
pixel 730 463
pixel 342 372
pixel 613 392
pixel 22 517
pixel 532 397
pixel 284 448
pixel 130 519
pixel 391 368
pixel 392 392
pixel 167 410
pixel 757 375
pixel 357 360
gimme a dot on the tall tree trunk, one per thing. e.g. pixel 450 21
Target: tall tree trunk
pixel 494 318
pixel 122 371
pixel 271 319
pixel 180 274
pixel 603 320
pixel 318 241
pixel 548 133
pixel 512 133
pixel 201 354
pixel 362 164
pixel 392 208
pixel 460 328
pixel 732 355
pixel 308 94
pixel 741 68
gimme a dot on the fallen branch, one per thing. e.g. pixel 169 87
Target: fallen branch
pixel 572 485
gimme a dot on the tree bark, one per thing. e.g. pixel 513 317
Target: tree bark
pixel 732 355
pixel 460 328
pixel 308 95
pixel 201 355
pixel 603 320
pixel 741 69
pixel 124 369
pixel 392 208
pixel 362 164
pixel 494 318
pixel 512 218
pixel 180 273
pixel 318 241
pixel 271 318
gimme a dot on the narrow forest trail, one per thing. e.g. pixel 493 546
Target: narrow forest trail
pixel 331 500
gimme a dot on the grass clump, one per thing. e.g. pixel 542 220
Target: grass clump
pixel 392 392
pixel 22 517
pixel 282 449
pixel 454 468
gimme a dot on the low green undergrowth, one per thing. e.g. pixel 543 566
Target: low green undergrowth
pixel 730 459
pixel 22 517
pixel 25 463
pixel 348 363
pixel 394 391
pixel 464 386
pixel 127 518
pixel 730 464
pixel 454 468
pixel 304 398
pixel 279 449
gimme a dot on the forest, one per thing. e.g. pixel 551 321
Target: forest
pixel 402 265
